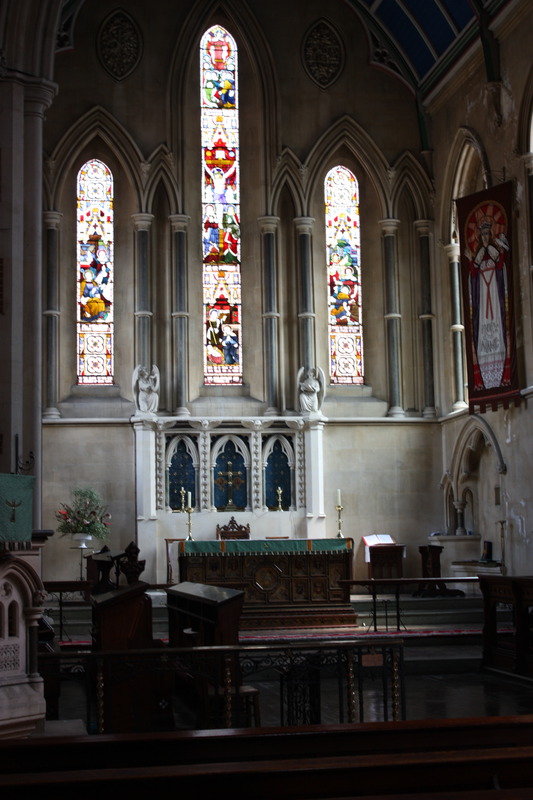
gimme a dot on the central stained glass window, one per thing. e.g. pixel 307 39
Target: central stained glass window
pixel 95 239
pixel 221 233
pixel 344 277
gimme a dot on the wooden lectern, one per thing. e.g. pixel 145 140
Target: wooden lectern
pixel 384 556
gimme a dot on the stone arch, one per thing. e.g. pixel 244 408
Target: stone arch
pixel 409 176
pixel 346 133
pixel 95 124
pixel 462 479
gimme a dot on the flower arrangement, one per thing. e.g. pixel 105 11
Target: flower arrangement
pixel 86 515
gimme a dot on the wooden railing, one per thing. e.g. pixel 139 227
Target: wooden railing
pixel 201 687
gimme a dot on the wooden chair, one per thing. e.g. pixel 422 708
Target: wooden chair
pixel 172 559
pixel 233 530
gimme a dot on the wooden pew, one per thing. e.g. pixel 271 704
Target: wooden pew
pixel 226 745
pixel 317 776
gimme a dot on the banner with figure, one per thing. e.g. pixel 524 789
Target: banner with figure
pixel 485 236
pixel 16 508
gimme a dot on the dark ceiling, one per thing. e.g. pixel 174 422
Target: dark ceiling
pixel 421 40
pixel 418 40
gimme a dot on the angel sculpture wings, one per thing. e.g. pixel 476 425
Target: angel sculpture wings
pixel 311 385
pixel 146 388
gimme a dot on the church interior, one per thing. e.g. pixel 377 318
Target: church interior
pixel 267 267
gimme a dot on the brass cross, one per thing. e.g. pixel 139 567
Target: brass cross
pixel 233 479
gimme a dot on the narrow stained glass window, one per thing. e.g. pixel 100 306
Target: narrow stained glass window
pixel 220 208
pixel 344 277
pixel 95 274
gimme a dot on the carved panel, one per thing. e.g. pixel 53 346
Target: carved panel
pixel 119 45
pixel 323 54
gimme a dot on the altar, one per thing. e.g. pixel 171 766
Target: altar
pixel 286 583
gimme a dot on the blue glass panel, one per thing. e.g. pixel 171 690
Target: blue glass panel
pixel 277 476
pixel 230 480
pixel 181 476
pixel 433 22
pixel 407 35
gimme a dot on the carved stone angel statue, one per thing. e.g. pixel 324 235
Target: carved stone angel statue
pixel 311 389
pixel 146 388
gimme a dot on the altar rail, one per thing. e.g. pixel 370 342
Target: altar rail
pixel 166 688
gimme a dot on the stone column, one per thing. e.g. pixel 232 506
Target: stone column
pixel 306 311
pixel 52 221
pixel 426 317
pixel 268 227
pixel 143 312
pixel 180 313
pixel 314 479
pixel 37 98
pixel 459 506
pixel 457 327
pixel 393 317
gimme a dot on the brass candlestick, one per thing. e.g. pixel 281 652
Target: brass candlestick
pixel 279 492
pixel 188 511
pixel 339 522
pixel 182 495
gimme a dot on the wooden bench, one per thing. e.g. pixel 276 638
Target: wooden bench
pixel 316 776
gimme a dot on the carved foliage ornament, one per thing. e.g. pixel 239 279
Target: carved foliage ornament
pixel 323 54
pixel 119 44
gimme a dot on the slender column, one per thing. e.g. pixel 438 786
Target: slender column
pixel 392 316
pixel 306 311
pixel 37 98
pixel 143 311
pixel 426 318
pixel 457 327
pixel 460 510
pixel 180 312
pixel 268 227
pixel 52 221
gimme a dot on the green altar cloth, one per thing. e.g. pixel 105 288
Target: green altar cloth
pixel 259 546
pixel 16 508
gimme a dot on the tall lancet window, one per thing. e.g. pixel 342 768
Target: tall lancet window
pixel 95 274
pixel 221 232
pixel 343 246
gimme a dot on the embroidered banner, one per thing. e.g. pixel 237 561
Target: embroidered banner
pixel 485 236
pixel 16 507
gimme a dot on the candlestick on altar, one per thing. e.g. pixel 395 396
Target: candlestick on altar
pixel 182 495
pixel 188 511
pixel 339 518
pixel 279 492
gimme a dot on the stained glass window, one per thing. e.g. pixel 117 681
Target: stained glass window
pixel 344 277
pixel 220 208
pixel 95 274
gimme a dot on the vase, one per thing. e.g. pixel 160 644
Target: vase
pixel 82 538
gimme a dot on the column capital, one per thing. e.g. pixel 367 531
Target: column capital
pixel 452 251
pixel 179 222
pixel 423 226
pixel 528 161
pixel 142 221
pixel 389 226
pixel 52 219
pixel 268 224
pixel 38 96
pixel 304 224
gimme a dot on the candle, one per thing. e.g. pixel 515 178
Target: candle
pixel 339 497
pixel 188 500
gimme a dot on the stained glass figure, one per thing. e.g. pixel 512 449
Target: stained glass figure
pixel 95 241
pixel 181 478
pixel 230 480
pixel 343 247
pixel 221 232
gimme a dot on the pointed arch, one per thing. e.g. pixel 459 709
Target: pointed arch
pixel 409 175
pixel 346 133
pixel 95 124
pixel 290 175
pixel 160 170
pixel 475 433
